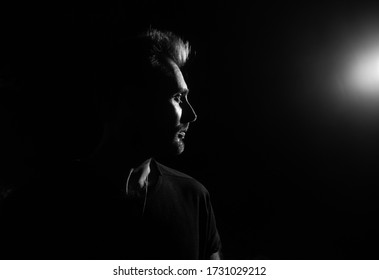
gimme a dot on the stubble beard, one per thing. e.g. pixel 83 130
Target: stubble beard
pixel 173 147
pixel 178 145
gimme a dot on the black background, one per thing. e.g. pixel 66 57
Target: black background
pixel 286 180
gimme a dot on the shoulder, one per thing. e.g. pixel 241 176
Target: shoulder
pixel 168 171
pixel 181 179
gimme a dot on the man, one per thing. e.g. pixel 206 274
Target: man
pixel 121 203
pixel 148 116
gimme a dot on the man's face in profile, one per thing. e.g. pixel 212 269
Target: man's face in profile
pixel 174 112
pixel 162 116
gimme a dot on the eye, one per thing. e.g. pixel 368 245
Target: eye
pixel 178 97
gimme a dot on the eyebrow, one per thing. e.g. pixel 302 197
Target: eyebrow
pixel 186 91
pixel 182 91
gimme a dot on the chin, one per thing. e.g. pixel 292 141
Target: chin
pixel 177 147
pixel 174 148
pixel 180 149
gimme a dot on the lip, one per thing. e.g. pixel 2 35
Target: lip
pixel 182 134
pixel 182 131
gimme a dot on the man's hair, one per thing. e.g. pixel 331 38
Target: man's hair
pixel 166 45
pixel 134 62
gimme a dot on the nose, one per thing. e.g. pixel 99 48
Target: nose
pixel 189 114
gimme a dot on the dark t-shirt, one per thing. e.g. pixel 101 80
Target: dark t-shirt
pixel 179 218
pixel 80 214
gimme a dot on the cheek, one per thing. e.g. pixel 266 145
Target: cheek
pixel 173 112
pixel 167 115
pixel 178 112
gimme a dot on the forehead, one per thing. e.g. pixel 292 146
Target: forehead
pixel 172 78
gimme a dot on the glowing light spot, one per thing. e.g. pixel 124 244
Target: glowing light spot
pixel 363 75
